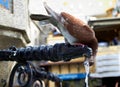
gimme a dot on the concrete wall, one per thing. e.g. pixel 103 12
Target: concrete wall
pixel 16 29
pixel 17 18
pixel 13 27
pixel 14 23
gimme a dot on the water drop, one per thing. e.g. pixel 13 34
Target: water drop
pixel 86 65
pixel 61 84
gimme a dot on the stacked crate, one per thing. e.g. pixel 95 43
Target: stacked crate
pixel 107 63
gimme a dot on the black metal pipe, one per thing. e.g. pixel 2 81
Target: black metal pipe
pixel 57 52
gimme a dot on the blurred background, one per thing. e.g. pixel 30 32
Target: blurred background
pixel 18 28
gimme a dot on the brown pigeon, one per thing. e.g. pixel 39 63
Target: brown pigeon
pixel 81 31
pixel 74 30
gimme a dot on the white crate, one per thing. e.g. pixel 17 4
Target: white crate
pixel 107 62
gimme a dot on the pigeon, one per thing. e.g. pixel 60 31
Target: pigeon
pixel 74 30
